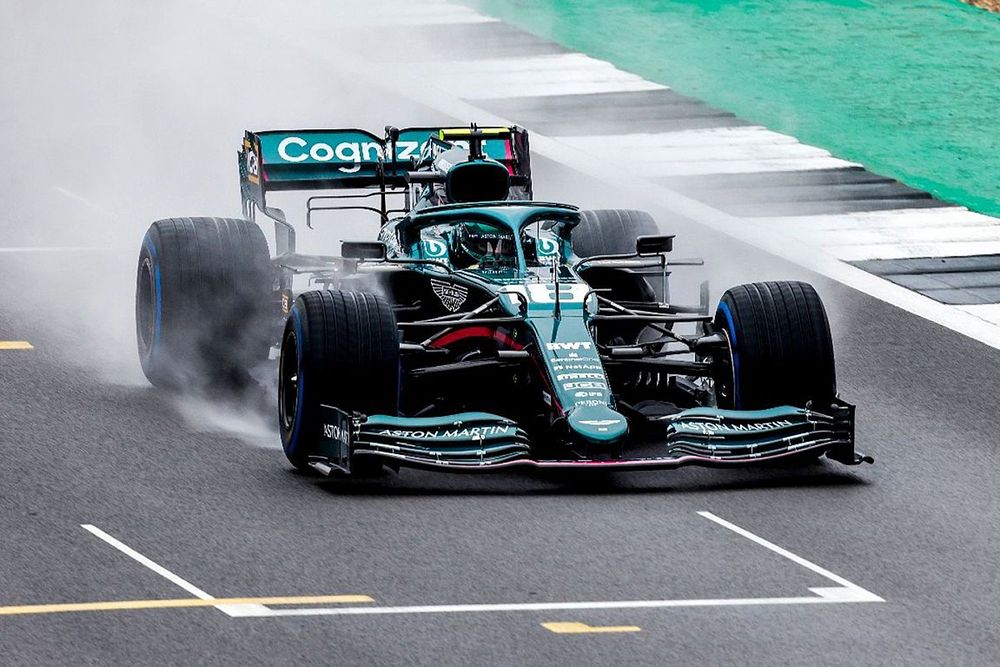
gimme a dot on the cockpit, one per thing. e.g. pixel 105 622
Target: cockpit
pixel 489 248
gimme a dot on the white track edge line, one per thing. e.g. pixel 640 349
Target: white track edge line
pixel 230 610
pixel 558 606
pixel 785 553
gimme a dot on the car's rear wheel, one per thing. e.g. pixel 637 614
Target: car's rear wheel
pixel 781 351
pixel 613 232
pixel 339 349
pixel 203 301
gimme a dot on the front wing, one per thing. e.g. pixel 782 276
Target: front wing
pixel 483 442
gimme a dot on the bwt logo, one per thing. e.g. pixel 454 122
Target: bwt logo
pixel 574 345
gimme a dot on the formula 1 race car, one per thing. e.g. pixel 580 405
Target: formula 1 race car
pixel 481 330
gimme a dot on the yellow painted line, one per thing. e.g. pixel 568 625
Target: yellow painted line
pixel 583 628
pixel 122 605
pixel 16 345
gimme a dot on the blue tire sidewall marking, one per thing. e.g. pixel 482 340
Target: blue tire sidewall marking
pixel 157 297
pixel 294 437
pixel 731 330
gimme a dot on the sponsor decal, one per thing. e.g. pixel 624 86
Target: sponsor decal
pixel 452 296
pixel 435 249
pixel 252 163
pixel 471 432
pixel 297 149
pixel 588 394
pixel 579 376
pixel 575 345
pixel 713 428
pixel 600 422
pixel 559 365
pixel 569 386
pixel 602 425
pixel 546 248
pixel 568 293
pixel 337 432
pixel 286 302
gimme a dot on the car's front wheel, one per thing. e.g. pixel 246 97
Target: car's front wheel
pixel 780 348
pixel 339 349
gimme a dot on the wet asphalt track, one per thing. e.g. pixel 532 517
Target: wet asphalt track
pixel 114 119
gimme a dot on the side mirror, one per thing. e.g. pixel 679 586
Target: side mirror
pixel 362 250
pixel 654 245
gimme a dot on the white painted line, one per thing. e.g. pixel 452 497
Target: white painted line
pixel 589 74
pixel 396 22
pixel 987 312
pixel 946 216
pixel 913 235
pixel 718 152
pixel 932 232
pixel 844 592
pixel 610 144
pixel 559 88
pixel 847 597
pixel 551 62
pixel 400 14
pixel 856 591
pixel 231 610
pixel 544 75
pixel 746 166
pixel 534 85
pixel 142 560
pixel 911 250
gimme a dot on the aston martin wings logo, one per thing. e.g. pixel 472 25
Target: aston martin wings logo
pixel 452 296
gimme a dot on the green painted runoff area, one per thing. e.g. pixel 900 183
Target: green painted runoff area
pixel 909 88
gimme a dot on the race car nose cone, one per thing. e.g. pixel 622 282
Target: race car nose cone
pixel 597 423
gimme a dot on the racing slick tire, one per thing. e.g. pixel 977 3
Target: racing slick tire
pixel 613 232
pixel 781 348
pixel 341 349
pixel 203 302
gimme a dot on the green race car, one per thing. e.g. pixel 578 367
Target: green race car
pixel 480 330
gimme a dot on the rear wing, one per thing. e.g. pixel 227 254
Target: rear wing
pixel 357 159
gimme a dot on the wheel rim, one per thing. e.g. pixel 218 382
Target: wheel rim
pixel 288 382
pixel 725 376
pixel 146 305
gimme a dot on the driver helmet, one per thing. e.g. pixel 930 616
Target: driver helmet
pixel 481 243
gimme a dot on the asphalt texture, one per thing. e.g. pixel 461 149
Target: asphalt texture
pixel 116 115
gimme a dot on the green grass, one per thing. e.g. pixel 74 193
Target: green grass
pixel 910 88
